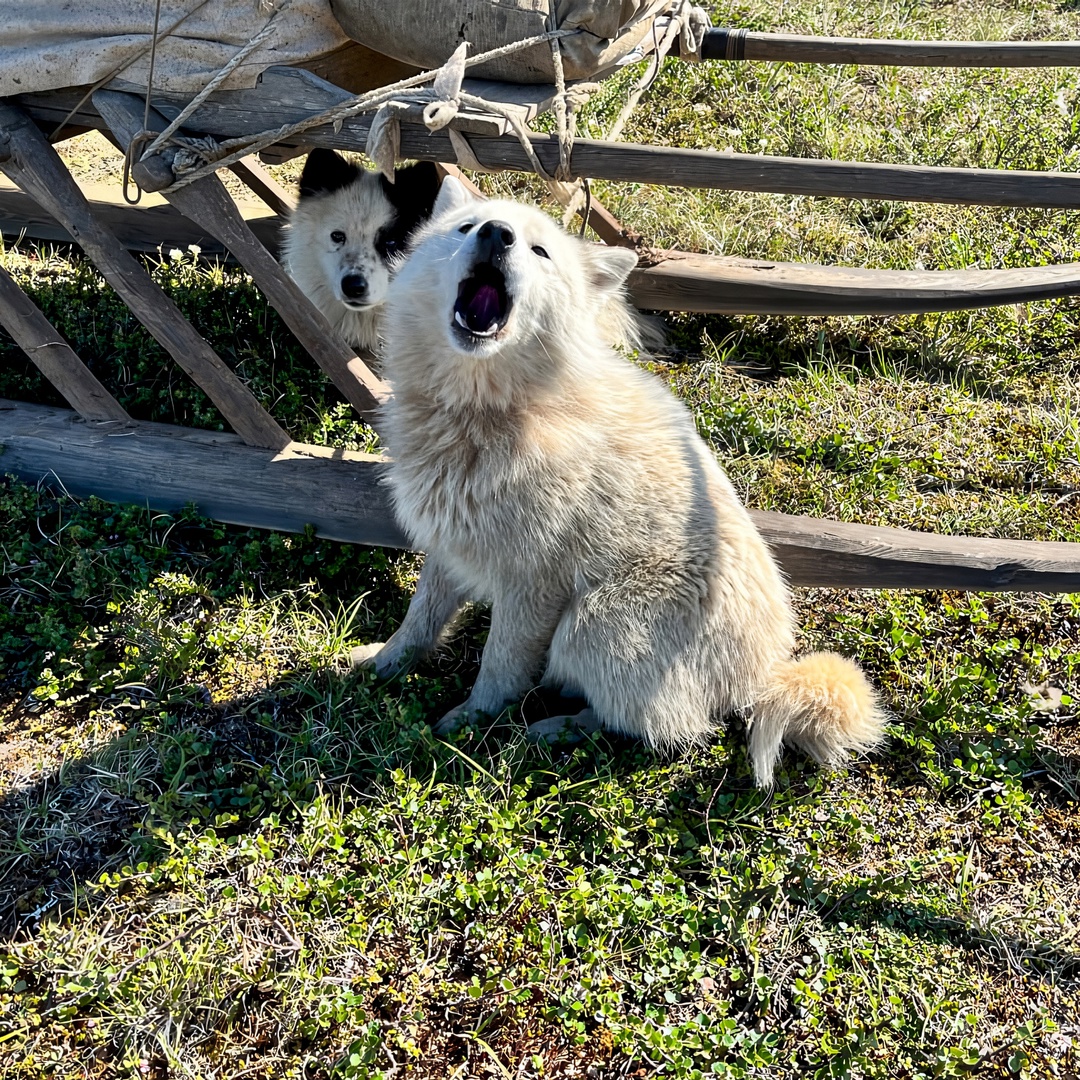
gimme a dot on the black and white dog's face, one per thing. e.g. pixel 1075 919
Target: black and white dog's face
pixel 349 229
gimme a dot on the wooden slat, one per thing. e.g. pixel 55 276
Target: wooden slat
pixel 607 226
pixel 152 226
pixel 676 167
pixel 718 284
pixel 54 358
pixel 835 554
pixel 676 281
pixel 259 181
pixel 339 493
pixel 168 467
pixel 35 166
pixel 729 44
pixel 208 203
pixel 283 97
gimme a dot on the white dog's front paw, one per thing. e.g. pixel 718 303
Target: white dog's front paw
pixel 457 718
pixel 363 656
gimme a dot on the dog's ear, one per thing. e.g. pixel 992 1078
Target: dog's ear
pixel 414 190
pixel 608 267
pixel 453 195
pixel 326 171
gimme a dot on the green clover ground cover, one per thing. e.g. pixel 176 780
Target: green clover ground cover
pixel 223 855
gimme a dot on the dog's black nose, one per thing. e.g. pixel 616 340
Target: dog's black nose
pixel 492 239
pixel 354 286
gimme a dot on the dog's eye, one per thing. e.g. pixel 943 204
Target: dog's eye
pixel 390 246
pixel 337 236
pixel 466 227
pixel 538 250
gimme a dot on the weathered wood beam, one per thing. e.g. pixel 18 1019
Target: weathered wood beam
pixel 54 358
pixel 208 203
pixel 257 180
pixel 676 167
pixel 151 226
pixel 675 280
pixel 728 44
pixel 287 95
pixel 35 166
pixel 167 468
pixel 841 555
pixel 719 284
pixel 338 492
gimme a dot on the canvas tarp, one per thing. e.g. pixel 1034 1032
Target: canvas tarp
pixel 425 32
pixel 49 45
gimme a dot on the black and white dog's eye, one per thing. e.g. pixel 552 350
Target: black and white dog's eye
pixel 391 247
pixel 538 250
pixel 337 236
pixel 466 227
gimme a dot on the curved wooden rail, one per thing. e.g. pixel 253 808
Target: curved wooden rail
pixel 731 44
pixel 717 284
pixel 340 494
pixel 287 95
pixel 672 280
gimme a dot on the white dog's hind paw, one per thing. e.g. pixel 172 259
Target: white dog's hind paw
pixel 564 729
pixel 363 656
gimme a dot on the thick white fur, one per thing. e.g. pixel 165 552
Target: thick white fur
pixel 544 473
pixel 359 210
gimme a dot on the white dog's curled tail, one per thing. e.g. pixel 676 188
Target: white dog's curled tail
pixel 821 703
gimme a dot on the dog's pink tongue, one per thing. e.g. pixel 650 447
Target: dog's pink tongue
pixel 483 309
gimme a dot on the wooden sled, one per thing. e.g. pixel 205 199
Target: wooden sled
pixel 286 485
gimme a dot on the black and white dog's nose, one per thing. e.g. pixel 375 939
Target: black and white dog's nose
pixel 354 286
pixel 492 239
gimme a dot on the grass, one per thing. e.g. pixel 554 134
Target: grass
pixel 223 855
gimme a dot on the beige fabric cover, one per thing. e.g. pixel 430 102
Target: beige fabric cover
pixel 425 32
pixel 52 44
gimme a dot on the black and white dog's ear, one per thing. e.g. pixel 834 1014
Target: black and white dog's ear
pixel 326 171
pixel 414 190
pixel 453 195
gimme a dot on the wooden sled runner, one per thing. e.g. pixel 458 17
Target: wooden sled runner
pixel 287 485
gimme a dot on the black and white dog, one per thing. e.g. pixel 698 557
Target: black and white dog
pixel 347 232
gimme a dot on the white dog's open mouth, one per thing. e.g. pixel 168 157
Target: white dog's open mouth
pixel 483 304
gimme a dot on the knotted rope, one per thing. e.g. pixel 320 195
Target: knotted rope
pixel 443 99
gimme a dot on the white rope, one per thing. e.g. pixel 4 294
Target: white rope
pixel 237 59
pixel 232 150
pixel 686 23
pixel 196 159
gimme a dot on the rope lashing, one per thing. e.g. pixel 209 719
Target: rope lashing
pixel 442 101
pixel 229 151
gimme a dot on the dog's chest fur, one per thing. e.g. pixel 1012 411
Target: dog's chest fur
pixel 557 491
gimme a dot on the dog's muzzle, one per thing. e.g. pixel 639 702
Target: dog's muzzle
pixel 483 302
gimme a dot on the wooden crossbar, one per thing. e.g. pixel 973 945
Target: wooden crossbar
pixel 54 358
pixel 152 226
pixel 339 493
pixel 720 284
pixel 286 95
pixel 35 166
pixel 677 280
pixel 208 203
pixel 258 180
pixel 733 44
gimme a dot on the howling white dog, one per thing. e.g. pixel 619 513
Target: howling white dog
pixel 347 233
pixel 545 473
